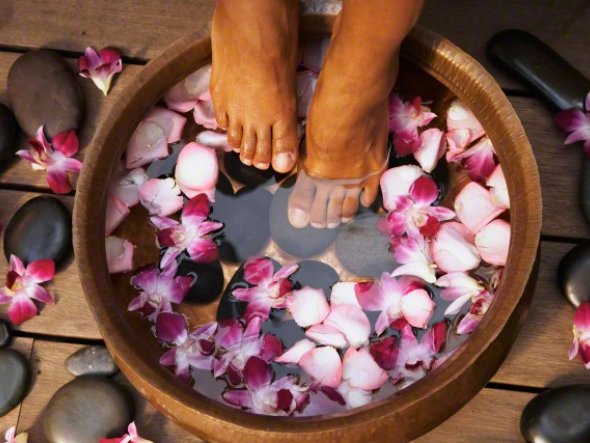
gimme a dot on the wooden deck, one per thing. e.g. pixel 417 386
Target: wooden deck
pixel 142 29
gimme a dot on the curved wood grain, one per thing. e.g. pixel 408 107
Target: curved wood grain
pixel 409 413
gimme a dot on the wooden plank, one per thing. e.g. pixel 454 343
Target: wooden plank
pixel 24 346
pixel 97 107
pixel 48 361
pixel 492 416
pixel 70 316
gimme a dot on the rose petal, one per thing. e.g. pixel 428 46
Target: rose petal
pixel 116 212
pixel 493 242
pixel 499 188
pixel 459 117
pixel 453 249
pixel 361 371
pixel 119 254
pixel 327 335
pixel 204 114
pixel 474 207
pixel 396 182
pixel 169 121
pixel 196 169
pixel 160 196
pixel 213 139
pixel 147 143
pixel 323 365
pixel 294 353
pixel 343 293
pixel 308 306
pixel 433 145
pixel 417 308
pixel 352 322
pixel 127 189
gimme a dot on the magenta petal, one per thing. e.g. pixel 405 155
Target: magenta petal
pixel 270 347
pixel 58 181
pixel 361 371
pixel 453 249
pixel 396 182
pixel 437 336
pixel 479 159
pixel 257 373
pixel 203 250
pixel 41 270
pixel 285 271
pixel 327 335
pixel 238 397
pixel 21 309
pixel 171 328
pixel 66 142
pixel 160 196
pixel 308 306
pixel 385 352
pixel 115 214
pixel 196 210
pixel 424 191
pixel 474 207
pixel 196 169
pixel 468 324
pixel 582 317
pixel 352 322
pixel 493 242
pixel 295 352
pixel 119 254
pixel 257 270
pixel 323 365
pixel 39 293
pixel 570 120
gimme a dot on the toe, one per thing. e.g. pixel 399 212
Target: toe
pixel 221 116
pixel 263 148
pixel 284 145
pixel 350 204
pixel 370 191
pixel 300 201
pixel 319 208
pixel 248 147
pixel 234 135
pixel 335 202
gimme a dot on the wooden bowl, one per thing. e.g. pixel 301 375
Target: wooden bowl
pixel 432 67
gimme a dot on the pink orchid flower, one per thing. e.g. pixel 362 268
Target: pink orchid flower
pixel 184 96
pixel 308 306
pixel 23 286
pixel 396 182
pixel 191 234
pixel 150 140
pixel 493 242
pixel 479 307
pixel 415 357
pixel 577 123
pixel 474 207
pixel 54 157
pixel 478 160
pixel 453 248
pixel 161 196
pixel 158 290
pixel 581 329
pixel 131 437
pixel 100 66
pixel 414 214
pixel 498 188
pixel 262 395
pixel 385 352
pixel 404 121
pixel 119 253
pixel 463 128
pixel 194 350
pixel 197 170
pixel 238 344
pixel 268 290
pixel 402 299
pixel 459 288
pixel 11 437
pixel 414 257
pixel 432 148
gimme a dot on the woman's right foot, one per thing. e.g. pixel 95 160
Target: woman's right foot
pixel 253 79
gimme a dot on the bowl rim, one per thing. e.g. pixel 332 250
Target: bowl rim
pixel 434 55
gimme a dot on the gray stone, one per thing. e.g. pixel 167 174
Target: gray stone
pixel 43 90
pixel 5 334
pixel 573 274
pixel 8 136
pixel 86 409
pixel 91 360
pixel 15 377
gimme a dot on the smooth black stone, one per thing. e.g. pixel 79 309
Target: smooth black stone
pixel 304 242
pixel 5 334
pixel 15 377
pixel 245 219
pixel 315 274
pixel 41 228
pixel 229 307
pixel 559 415
pixel 44 91
pixel 585 189
pixel 363 250
pixel 91 360
pixel 573 274
pixel 8 136
pixel 208 282
pixel 86 409
pixel 249 175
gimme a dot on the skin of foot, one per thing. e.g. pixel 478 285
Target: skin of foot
pixel 348 119
pixel 253 79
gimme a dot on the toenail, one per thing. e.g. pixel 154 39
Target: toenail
pixel 346 220
pixel 333 225
pixel 298 218
pixel 247 161
pixel 284 160
pixel 261 165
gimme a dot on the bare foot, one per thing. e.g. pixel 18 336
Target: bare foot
pixel 253 79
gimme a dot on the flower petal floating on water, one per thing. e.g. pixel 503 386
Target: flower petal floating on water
pixel 577 123
pixel 361 371
pixel 478 160
pixel 268 290
pixel 327 335
pixel 308 306
pixel 23 287
pixel 474 207
pixel 385 352
pixel 344 293
pixel 413 254
pixel 493 242
pixel 498 188
pixel 404 121
pixel 197 170
pixel 183 96
pixel 453 248
pixel 479 307
pixel 161 196
pixel 54 157
pixel 119 253
pixel 352 322
pixel 396 299
pixel 116 212
pixel 191 234
pixel 396 182
pixel 100 66
pixel 459 288
pixel 432 148
pixel 158 290
pixel 463 128
pixel 294 353
pixel 581 329
pixel 127 189
pixel 323 364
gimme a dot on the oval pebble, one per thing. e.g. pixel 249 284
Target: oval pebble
pixel 573 274
pixel 15 376
pixel 91 360
pixel 8 136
